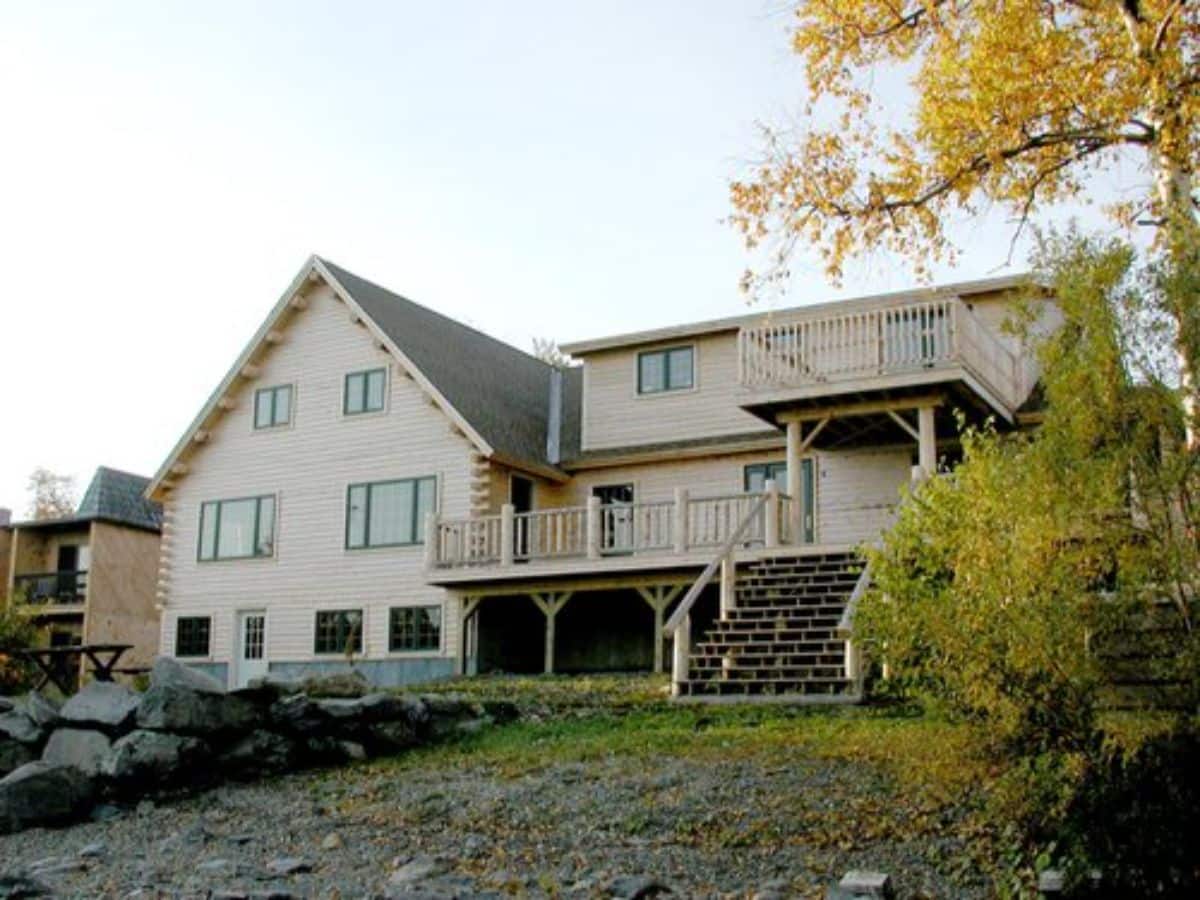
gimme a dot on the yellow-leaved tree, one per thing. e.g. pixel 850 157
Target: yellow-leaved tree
pixel 1017 103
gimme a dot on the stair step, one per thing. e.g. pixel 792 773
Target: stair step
pixel 769 648
pixel 798 673
pixel 759 688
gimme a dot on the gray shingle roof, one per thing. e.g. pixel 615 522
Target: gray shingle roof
pixel 502 392
pixel 116 496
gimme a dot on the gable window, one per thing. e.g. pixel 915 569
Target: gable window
pixel 338 631
pixel 666 370
pixel 237 529
pixel 273 406
pixel 364 392
pixel 192 635
pixel 414 628
pixel 388 513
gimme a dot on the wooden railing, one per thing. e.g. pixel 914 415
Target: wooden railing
pixel 62 588
pixel 681 525
pixel 804 351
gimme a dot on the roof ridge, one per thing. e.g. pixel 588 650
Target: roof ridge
pixel 450 319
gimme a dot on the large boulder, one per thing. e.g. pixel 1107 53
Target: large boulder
pixel 14 754
pixel 299 714
pixel 344 685
pixel 40 793
pixel 168 672
pixel 185 711
pixel 7 704
pixel 259 753
pixel 81 748
pixel 102 704
pixel 16 726
pixel 145 758
pixel 41 709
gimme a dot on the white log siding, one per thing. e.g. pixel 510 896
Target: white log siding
pixel 857 490
pixel 307 467
pixel 615 415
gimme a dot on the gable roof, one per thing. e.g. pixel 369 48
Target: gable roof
pixel 118 497
pixel 501 391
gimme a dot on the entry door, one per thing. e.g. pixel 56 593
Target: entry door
pixel 616 517
pixel 757 475
pixel 251 660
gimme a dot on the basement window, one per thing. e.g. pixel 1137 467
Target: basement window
pixel 414 628
pixel 338 631
pixel 192 635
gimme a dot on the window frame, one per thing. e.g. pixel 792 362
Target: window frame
pixel 207 620
pixel 417 524
pixel 274 392
pixel 365 375
pixel 391 629
pixel 340 611
pixel 254 554
pixel 665 353
pixel 808 484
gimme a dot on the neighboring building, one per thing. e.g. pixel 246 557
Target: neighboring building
pixel 373 477
pixel 90 577
pixel 5 551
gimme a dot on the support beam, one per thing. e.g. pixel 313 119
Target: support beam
pixel 728 586
pixel 794 488
pixel 927 441
pixel 660 597
pixel 467 609
pixel 550 605
pixel 903 423
pixel 858 409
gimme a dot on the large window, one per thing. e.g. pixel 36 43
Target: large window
pixel 339 631
pixel 192 635
pixel 415 628
pixel 237 529
pixel 388 513
pixel 666 370
pixel 273 406
pixel 364 392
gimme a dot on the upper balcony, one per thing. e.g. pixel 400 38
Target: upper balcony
pixel 881 348
pixel 50 592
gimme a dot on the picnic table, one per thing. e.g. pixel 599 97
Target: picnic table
pixel 53 662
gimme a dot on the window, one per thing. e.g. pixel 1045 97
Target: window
pixel 758 474
pixel 388 513
pixel 364 392
pixel 755 478
pixel 415 628
pixel 273 406
pixel 191 635
pixel 237 529
pixel 339 631
pixel 665 370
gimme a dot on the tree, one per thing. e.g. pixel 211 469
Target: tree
pixel 547 351
pixel 1018 102
pixel 53 496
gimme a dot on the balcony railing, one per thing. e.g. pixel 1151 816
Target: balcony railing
pixel 889 340
pixel 597 530
pixel 54 588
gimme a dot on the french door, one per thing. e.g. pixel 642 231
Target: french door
pixel 251 659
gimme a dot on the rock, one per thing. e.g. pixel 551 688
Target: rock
pixel 14 754
pixel 282 866
pixel 635 887
pixel 106 812
pixel 102 704
pixel 299 714
pixel 332 841
pixel 148 756
pixel 39 793
pixel 388 737
pixel 339 684
pixel 413 871
pixel 41 709
pixel 82 748
pixel 170 673
pixel 93 850
pixel 19 887
pixel 16 726
pixel 375 708
pixel 329 751
pixel 217 867
pixel 260 753
pixel 857 884
pixel 6 704
pixel 186 711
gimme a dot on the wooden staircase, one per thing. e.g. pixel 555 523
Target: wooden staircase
pixel 782 639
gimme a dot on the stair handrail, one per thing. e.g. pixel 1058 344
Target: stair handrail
pixel 860 588
pixel 689 599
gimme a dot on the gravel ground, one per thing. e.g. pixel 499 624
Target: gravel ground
pixel 618 826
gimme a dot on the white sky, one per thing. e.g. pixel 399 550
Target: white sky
pixel 541 169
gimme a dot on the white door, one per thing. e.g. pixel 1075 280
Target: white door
pixel 251 659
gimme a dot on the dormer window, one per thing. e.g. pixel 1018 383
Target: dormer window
pixel 364 392
pixel 670 369
pixel 273 406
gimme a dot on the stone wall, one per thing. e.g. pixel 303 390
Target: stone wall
pixel 187 732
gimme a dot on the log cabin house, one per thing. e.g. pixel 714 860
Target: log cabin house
pixel 374 484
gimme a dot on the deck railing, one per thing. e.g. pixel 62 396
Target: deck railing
pixel 62 588
pixel 807 350
pixel 597 530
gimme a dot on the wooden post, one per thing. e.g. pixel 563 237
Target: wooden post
pixel 795 438
pixel 659 598
pixel 593 527
pixel 680 653
pixel 927 452
pixel 550 605
pixel 854 666
pixel 431 540
pixel 728 586
pixel 771 511
pixel 681 520
pixel 507 533
pixel 467 608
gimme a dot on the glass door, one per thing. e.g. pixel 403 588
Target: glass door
pixel 616 517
